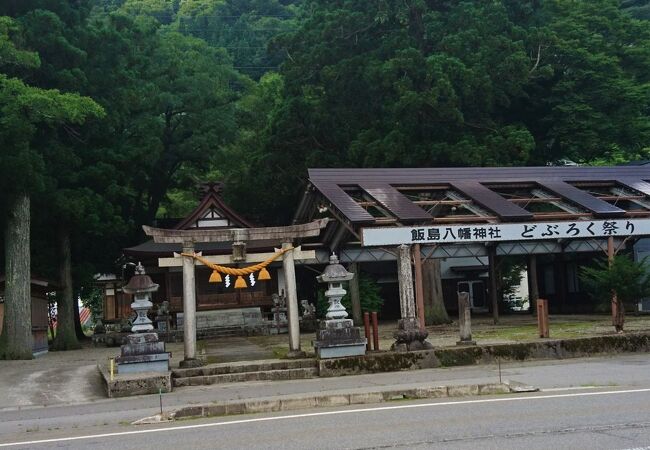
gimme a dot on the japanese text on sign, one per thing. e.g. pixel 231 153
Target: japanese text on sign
pixel 504 232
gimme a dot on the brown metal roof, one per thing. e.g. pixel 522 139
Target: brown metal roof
pixel 394 201
pixel 567 189
pixel 491 200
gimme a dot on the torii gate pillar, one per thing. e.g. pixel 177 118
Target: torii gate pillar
pixel 189 309
pixel 292 302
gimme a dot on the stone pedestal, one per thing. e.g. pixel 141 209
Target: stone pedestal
pixel 338 338
pixel 143 353
pixel 409 336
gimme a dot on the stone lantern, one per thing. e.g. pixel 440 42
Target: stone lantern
pixel 337 336
pixel 141 286
pixel 142 352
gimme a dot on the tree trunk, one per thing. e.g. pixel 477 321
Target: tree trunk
pixel 16 339
pixel 434 304
pixel 66 338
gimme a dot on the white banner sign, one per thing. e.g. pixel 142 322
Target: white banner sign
pixel 444 234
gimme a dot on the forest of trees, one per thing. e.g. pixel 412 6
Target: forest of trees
pixel 111 111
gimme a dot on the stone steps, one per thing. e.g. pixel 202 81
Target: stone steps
pixel 215 332
pixel 267 370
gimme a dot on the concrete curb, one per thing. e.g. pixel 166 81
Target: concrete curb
pixel 339 398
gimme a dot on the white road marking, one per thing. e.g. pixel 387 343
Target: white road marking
pixel 324 413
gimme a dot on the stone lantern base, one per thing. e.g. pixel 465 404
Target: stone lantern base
pixel 143 352
pixel 409 336
pixel 337 338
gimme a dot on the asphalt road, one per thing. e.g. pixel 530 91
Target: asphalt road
pixel 589 403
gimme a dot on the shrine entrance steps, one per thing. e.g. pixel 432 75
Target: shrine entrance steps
pixel 220 332
pixel 232 372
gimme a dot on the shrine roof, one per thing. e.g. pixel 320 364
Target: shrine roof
pixel 400 196
pixel 212 212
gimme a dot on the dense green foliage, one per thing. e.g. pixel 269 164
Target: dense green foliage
pixel 456 83
pixel 112 110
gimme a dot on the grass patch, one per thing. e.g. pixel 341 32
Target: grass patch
pixel 280 352
pixel 559 330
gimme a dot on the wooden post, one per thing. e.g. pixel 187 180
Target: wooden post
pixel 292 302
pixel 533 286
pixel 189 308
pixel 366 327
pixel 375 331
pixel 405 280
pixel 419 290
pixel 354 294
pixel 542 318
pixel 492 256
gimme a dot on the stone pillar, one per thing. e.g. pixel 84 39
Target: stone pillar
pixel 464 320
pixel 292 303
pixel 409 335
pixel 189 309
pixel 354 294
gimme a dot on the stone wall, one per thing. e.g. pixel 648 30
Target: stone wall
pixel 485 354
pixel 125 385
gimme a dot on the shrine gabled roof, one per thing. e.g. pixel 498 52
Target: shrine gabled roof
pixel 380 197
pixel 212 212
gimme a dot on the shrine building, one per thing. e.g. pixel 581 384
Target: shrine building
pixel 459 224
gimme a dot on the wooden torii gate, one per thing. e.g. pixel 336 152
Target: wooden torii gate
pixel 285 237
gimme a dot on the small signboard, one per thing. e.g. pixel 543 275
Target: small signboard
pixel 530 231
